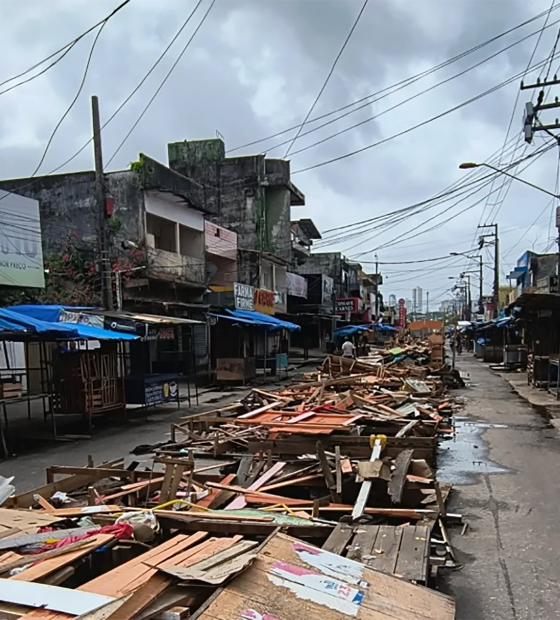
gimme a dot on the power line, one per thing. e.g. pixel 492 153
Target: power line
pixel 417 126
pixel 63 50
pixel 346 41
pixel 164 80
pixel 401 103
pixel 402 83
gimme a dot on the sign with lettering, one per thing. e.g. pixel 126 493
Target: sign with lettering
pixel 155 393
pixel 156 332
pixel 243 296
pixel 264 301
pixel 21 251
pixel 346 305
pixel 402 314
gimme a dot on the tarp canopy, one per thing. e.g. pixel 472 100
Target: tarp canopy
pixel 15 321
pixel 260 318
pixel 350 330
pixel 50 313
pixel 234 319
pixel 385 328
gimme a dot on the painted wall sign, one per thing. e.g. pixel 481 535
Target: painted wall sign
pixel 243 296
pixel 320 589
pixel 163 392
pixel 331 564
pixel 21 250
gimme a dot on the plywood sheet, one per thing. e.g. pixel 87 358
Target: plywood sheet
pixel 290 578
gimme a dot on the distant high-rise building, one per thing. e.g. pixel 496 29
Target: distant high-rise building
pixel 417 303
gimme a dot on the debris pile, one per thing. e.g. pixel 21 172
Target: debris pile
pixel 299 490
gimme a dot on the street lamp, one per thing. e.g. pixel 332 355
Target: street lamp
pixel 471 164
pixel 480 275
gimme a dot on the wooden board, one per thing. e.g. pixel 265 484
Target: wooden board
pixel 402 551
pixel 289 578
pixel 23 521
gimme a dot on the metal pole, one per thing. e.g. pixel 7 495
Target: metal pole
pixel 496 270
pixel 376 288
pixel 469 298
pixel 427 304
pixel 480 285
pixel 105 268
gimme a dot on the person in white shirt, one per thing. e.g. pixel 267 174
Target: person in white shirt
pixel 348 348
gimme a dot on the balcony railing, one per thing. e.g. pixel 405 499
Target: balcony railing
pixel 172 266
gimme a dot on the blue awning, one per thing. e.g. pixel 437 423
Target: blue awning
pixel 11 320
pixel 259 317
pixel 350 330
pixel 46 312
pixel 239 320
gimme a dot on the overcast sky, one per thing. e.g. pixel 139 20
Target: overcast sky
pixel 254 69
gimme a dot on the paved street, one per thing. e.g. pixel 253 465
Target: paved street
pixel 507 489
pixel 503 465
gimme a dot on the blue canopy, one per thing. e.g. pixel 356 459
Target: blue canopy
pixel 385 328
pixel 350 330
pixel 50 313
pixel 11 320
pixel 264 319
pixel 239 320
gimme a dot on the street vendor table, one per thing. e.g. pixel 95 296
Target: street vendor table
pixel 150 390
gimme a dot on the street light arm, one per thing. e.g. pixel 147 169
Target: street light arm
pixel 467 165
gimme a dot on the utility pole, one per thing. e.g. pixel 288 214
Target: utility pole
pixel 376 288
pixel 496 287
pixel 480 284
pixel 104 263
pixel 532 124
pixel 428 305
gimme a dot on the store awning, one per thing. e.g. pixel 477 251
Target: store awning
pixel 46 312
pixel 239 320
pixel 15 321
pixel 259 317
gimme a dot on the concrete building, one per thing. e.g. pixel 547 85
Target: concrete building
pixel 252 196
pixel 151 207
pixel 534 273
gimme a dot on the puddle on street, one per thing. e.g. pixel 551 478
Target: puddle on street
pixel 465 456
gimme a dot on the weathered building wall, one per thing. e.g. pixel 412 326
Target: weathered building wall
pixel 67 203
pixel 250 195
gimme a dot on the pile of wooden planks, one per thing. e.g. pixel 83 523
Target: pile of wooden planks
pixel 344 459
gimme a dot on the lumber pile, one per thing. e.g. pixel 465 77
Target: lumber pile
pixel 344 460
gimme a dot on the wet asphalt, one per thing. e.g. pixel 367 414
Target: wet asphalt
pixel 504 463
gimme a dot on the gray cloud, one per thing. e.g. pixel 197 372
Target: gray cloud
pixel 255 68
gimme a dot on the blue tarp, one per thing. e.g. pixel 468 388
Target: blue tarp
pixel 350 330
pixel 50 313
pixel 264 319
pixel 13 320
pixel 386 328
pixel 239 320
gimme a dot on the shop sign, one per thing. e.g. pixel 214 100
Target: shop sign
pixel 164 392
pixel 264 301
pixel 327 290
pixel 124 324
pixel 346 305
pixel 243 296
pixel 402 314
pixel 156 332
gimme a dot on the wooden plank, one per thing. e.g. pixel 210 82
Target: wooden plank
pixel 365 489
pixel 244 468
pixel 361 547
pixel 40 570
pixel 406 429
pixel 339 539
pixel 45 555
pixel 385 549
pixel 240 502
pixel 338 470
pixel 212 497
pixel 398 476
pixel 149 591
pixel 412 561
pixel 326 469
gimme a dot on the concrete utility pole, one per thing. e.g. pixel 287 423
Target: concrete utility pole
pixel 104 263
pixel 531 125
pixel 496 287
pixel 428 304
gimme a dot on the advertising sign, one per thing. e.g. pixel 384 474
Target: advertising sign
pixel 347 305
pixel 264 301
pixel 21 253
pixel 243 296
pixel 402 314
pixel 296 285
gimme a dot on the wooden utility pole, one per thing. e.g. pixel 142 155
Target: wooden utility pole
pixel 103 236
